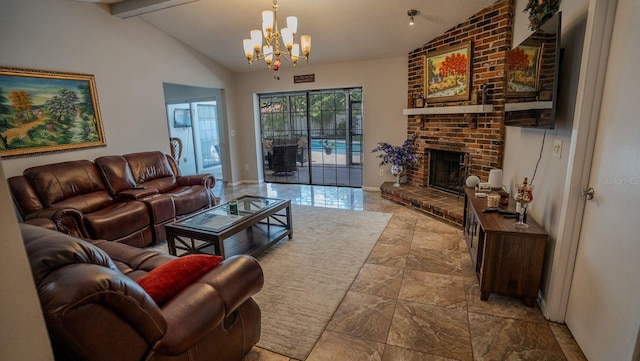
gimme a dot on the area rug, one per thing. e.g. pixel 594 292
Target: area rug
pixel 307 277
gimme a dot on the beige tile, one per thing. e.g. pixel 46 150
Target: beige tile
pixel 434 289
pixel 260 354
pixel 402 221
pixel 396 236
pixel 378 280
pixel 431 240
pixel 364 316
pixel 333 346
pixel 497 338
pixel 436 330
pixel 502 306
pixel 568 344
pixel 431 224
pixel 393 353
pixel 436 261
pixel 389 255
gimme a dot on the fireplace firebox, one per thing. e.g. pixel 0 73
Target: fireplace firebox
pixel 447 170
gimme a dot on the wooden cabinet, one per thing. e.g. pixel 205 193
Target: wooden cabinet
pixel 507 260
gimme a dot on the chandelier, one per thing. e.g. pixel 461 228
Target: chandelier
pixel 272 53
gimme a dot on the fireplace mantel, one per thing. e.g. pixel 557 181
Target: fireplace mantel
pixel 459 109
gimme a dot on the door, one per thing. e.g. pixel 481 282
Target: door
pixel 196 125
pixel 312 137
pixel 603 311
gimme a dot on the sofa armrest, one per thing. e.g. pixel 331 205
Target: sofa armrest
pixel 135 193
pixel 67 220
pixel 205 179
pixel 210 299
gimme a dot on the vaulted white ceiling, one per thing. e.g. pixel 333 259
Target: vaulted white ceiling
pixel 341 30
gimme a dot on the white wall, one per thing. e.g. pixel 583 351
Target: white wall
pixel 384 92
pixel 522 147
pixel 129 58
pixel 23 335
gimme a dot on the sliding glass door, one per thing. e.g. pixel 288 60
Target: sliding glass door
pixel 312 137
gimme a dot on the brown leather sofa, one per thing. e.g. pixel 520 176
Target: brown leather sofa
pixel 95 310
pixel 126 199
pixel 154 178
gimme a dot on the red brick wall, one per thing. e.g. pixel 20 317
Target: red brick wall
pixel 480 135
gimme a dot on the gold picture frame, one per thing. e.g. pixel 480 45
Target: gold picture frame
pixel 448 74
pixel 523 70
pixel 46 111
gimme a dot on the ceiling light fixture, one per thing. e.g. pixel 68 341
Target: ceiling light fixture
pixel 274 38
pixel 411 14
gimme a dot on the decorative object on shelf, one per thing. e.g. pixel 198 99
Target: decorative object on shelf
pixel 523 196
pixel 272 53
pixel 472 181
pixel 411 13
pixel 418 102
pixel 484 91
pixel 540 11
pixel 46 111
pixel 447 74
pixel 495 178
pixel 398 171
pixel 401 157
pixel 474 97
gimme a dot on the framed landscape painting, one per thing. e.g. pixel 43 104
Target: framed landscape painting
pixel 43 111
pixel 523 70
pixel 447 74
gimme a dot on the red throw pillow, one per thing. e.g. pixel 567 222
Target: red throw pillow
pixel 166 281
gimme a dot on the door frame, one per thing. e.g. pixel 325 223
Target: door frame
pixel 595 56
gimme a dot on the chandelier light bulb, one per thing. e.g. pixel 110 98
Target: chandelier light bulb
pixel 287 37
pixel 292 23
pixel 267 20
pixel 279 43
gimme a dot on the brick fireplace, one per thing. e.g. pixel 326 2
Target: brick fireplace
pixel 478 137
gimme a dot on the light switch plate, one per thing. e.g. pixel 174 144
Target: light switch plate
pixel 557 148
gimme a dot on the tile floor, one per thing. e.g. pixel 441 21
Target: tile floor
pixel 416 297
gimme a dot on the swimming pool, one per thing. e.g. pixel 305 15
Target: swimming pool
pixel 340 146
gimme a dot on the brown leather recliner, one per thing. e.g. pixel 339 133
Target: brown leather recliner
pixel 95 310
pixel 74 196
pixel 154 178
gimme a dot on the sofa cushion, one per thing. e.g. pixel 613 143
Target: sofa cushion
pixel 189 199
pixel 117 220
pixel 116 173
pixel 151 166
pixel 58 182
pixel 166 281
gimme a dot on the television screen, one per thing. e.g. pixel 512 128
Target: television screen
pixel 181 118
pixel 532 78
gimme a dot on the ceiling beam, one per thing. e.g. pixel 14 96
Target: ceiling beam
pixel 129 8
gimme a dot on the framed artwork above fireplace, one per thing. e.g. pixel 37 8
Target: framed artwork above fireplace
pixel 447 74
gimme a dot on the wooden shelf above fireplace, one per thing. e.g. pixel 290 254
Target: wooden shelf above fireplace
pixel 461 109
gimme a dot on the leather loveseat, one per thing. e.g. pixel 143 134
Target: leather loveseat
pixel 96 309
pixel 126 199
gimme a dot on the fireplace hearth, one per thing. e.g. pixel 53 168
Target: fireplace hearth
pixel 447 170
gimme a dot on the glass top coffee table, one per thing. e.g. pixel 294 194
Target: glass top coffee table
pixel 256 224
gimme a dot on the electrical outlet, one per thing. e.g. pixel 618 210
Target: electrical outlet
pixel 246 167
pixel 381 172
pixel 557 148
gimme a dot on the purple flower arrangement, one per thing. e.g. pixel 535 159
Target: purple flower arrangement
pixel 404 155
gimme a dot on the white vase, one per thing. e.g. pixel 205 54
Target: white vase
pixel 398 172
